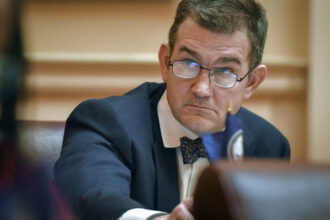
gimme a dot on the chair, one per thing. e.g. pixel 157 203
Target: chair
pixel 263 190
pixel 41 140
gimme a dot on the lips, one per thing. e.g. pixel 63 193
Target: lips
pixel 200 107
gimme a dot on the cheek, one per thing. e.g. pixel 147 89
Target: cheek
pixel 226 96
pixel 177 92
pixel 237 99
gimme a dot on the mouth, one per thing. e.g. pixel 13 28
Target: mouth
pixel 200 107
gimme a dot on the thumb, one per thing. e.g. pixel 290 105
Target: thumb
pixel 188 202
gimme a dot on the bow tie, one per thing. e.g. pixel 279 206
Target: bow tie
pixel 192 150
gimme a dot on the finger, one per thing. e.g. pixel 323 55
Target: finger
pixel 188 202
pixel 181 212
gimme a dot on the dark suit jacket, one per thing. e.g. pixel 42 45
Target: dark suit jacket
pixel 113 157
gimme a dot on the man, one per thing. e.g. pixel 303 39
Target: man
pixel 121 155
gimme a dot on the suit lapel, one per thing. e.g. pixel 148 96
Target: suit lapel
pixel 167 180
pixel 167 177
pixel 248 139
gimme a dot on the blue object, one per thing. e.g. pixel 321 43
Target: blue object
pixel 220 145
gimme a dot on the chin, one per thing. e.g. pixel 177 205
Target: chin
pixel 199 125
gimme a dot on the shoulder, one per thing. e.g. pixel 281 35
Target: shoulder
pixel 256 123
pixel 266 139
pixel 122 115
pixel 136 100
pixel 114 121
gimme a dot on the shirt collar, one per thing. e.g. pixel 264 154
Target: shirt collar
pixel 171 130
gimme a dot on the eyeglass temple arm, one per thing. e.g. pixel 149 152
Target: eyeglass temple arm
pixel 242 78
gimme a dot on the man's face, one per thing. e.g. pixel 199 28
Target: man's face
pixel 196 103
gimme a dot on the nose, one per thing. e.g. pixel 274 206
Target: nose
pixel 202 86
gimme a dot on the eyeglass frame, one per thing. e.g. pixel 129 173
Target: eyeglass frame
pixel 209 70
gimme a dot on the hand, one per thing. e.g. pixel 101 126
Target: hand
pixel 182 211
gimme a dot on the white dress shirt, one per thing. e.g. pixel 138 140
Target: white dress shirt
pixel 171 131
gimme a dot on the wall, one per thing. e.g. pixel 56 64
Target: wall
pixel 318 84
pixel 80 50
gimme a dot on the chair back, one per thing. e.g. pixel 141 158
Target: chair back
pixel 259 190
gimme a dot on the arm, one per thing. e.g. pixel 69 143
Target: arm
pixel 94 171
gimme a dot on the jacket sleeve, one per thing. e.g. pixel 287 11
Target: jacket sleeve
pixel 94 169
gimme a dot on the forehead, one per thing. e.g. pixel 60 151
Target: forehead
pixel 214 44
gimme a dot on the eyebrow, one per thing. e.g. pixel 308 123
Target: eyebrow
pixel 229 60
pixel 189 51
pixel 220 60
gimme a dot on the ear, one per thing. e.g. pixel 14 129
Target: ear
pixel 257 77
pixel 163 57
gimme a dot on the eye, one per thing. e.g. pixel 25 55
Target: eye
pixel 226 70
pixel 223 71
pixel 191 63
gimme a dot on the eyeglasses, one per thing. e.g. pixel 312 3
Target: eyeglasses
pixel 221 77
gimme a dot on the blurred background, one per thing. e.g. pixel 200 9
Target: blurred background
pixel 77 50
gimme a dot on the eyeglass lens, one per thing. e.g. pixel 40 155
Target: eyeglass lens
pixel 189 69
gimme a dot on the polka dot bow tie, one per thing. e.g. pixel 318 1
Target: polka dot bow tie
pixel 192 150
